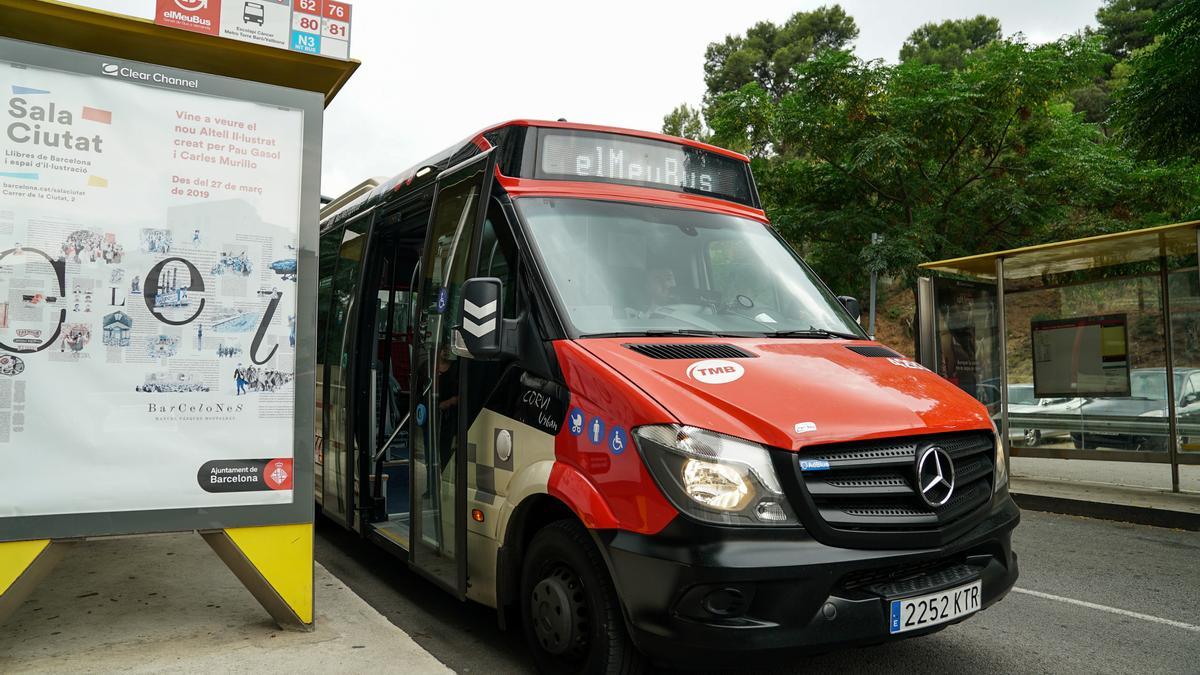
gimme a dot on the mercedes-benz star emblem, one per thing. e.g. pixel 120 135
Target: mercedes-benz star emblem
pixel 935 476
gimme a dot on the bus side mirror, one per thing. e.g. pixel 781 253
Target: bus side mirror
pixel 481 335
pixel 852 306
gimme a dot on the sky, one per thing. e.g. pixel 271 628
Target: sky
pixel 435 72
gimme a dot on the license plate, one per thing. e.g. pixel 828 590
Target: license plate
pixel 930 610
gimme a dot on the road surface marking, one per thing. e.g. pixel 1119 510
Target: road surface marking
pixel 1111 610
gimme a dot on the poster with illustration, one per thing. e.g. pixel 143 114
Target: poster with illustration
pixel 148 263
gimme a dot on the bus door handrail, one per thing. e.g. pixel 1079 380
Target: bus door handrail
pixel 399 427
pixel 377 460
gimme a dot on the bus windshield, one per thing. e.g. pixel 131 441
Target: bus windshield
pixel 627 269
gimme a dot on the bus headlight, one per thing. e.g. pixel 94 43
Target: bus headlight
pixel 713 477
pixel 1001 462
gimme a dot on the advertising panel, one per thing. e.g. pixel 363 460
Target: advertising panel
pixel 150 264
pixel 967 338
pixel 1083 356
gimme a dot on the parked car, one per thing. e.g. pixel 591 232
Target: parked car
pixel 1023 402
pixel 1147 399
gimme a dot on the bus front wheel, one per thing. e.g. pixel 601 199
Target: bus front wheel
pixel 569 609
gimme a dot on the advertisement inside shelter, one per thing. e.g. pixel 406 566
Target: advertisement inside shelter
pixel 148 265
pixel 1081 356
pixel 967 339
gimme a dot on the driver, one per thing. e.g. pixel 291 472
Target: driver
pixel 660 282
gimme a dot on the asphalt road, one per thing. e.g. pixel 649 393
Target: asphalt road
pixel 1150 574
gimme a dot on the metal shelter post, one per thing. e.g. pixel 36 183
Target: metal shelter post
pixel 926 323
pixel 1002 346
pixel 1172 421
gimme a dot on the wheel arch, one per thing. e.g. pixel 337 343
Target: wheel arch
pixel 533 513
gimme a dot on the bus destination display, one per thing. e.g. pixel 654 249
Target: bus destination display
pixel 590 156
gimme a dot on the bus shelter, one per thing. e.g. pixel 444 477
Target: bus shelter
pixel 160 185
pixel 1086 349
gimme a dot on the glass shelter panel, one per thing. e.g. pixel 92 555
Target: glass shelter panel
pixel 1087 377
pixel 1184 291
pixel 967 340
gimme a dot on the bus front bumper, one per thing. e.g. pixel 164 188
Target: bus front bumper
pixel 704 595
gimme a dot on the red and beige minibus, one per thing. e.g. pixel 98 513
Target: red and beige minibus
pixel 571 372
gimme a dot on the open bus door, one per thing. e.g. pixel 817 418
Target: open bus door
pixel 438 431
pixel 341 443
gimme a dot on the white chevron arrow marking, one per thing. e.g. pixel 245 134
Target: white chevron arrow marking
pixel 479 329
pixel 477 311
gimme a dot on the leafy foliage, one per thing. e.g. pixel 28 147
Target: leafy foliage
pixel 942 162
pixel 1124 24
pixel 946 44
pixel 1157 109
pixel 686 122
pixel 768 53
pixel 970 144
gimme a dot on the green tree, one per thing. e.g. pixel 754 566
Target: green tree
pixel 946 44
pixel 942 162
pixel 1124 28
pixel 1157 109
pixel 768 53
pixel 763 63
pixel 686 122
pixel 1123 23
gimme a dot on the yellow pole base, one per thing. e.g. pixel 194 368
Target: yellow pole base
pixel 23 564
pixel 275 563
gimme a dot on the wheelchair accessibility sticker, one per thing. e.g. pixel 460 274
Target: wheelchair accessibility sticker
pixel 617 440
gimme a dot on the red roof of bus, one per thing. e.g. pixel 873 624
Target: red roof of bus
pixel 517 186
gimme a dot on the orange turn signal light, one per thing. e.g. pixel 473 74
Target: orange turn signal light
pixel 477 515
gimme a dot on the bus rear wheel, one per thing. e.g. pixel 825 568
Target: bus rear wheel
pixel 569 609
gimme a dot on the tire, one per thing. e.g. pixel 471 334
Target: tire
pixel 1080 444
pixel 1032 437
pixel 569 609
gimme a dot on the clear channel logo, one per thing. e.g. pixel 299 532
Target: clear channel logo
pixel 155 77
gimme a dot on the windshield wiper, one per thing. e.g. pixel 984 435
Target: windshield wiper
pixel 814 332
pixel 685 332
pixel 664 332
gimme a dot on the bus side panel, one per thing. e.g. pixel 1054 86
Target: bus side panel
pixel 496 485
pixel 535 437
pixel 602 451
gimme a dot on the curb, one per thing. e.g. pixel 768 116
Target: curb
pixel 1128 513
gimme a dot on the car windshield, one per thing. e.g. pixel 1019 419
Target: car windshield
pixel 1151 385
pixel 1021 395
pixel 629 269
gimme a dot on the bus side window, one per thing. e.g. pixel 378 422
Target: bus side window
pixel 328 256
pixel 349 257
pixel 498 256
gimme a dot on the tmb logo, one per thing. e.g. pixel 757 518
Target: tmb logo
pixel 715 371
